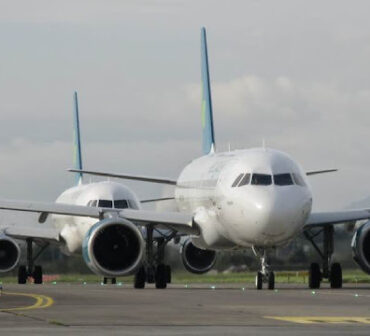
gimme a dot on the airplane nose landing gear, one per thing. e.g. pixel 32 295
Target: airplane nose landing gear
pixel 265 275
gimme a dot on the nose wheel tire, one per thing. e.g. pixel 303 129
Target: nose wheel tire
pixel 314 276
pixel 259 280
pixel 271 280
pixel 336 276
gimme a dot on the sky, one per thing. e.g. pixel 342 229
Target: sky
pixel 293 73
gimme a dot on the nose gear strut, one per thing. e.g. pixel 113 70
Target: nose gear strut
pixel 266 274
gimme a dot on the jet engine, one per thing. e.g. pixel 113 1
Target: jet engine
pixel 197 260
pixel 361 247
pixel 113 247
pixel 9 253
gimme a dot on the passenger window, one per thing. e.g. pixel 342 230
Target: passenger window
pixel 261 179
pixel 105 203
pixel 237 180
pixel 93 203
pixel 298 179
pixel 283 179
pixel 121 204
pixel 245 180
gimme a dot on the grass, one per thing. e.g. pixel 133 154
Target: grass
pixel 349 276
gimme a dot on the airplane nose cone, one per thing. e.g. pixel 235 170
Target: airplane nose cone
pixel 275 215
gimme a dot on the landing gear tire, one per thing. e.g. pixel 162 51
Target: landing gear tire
pixel 22 275
pixel 140 278
pixel 168 274
pixel 336 276
pixel 271 280
pixel 161 277
pixel 37 275
pixel 314 276
pixel 259 280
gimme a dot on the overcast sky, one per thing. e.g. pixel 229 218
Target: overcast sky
pixel 295 73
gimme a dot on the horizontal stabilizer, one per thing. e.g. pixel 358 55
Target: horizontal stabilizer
pixel 157 199
pixel 151 179
pixel 316 172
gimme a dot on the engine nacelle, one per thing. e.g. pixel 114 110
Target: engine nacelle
pixel 113 247
pixel 361 247
pixel 10 253
pixel 197 260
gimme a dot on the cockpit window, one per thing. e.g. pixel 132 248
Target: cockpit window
pixel 283 179
pixel 105 203
pixel 121 204
pixel 237 180
pixel 245 180
pixel 92 203
pixel 261 179
pixel 298 179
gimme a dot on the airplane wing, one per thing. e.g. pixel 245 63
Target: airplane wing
pixel 34 232
pixel 177 221
pixel 53 208
pixel 315 172
pixel 152 179
pixel 174 220
pixel 338 217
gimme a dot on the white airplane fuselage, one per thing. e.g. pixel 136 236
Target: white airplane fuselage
pixel 228 215
pixel 257 213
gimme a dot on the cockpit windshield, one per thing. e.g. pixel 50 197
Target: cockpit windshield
pixel 245 180
pixel 105 204
pixel 121 204
pixel 118 204
pixel 237 180
pixel 266 179
pixel 283 179
pixel 261 179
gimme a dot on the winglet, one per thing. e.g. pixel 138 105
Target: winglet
pixel 207 114
pixel 77 142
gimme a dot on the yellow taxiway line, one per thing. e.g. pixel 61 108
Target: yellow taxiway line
pixel 322 319
pixel 42 301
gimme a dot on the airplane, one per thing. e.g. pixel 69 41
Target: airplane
pixel 76 234
pixel 255 198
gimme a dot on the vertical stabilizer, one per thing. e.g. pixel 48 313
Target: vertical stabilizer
pixel 77 141
pixel 207 114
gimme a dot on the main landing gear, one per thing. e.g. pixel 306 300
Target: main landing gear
pixel 330 271
pixel 265 275
pixel 154 270
pixel 30 270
